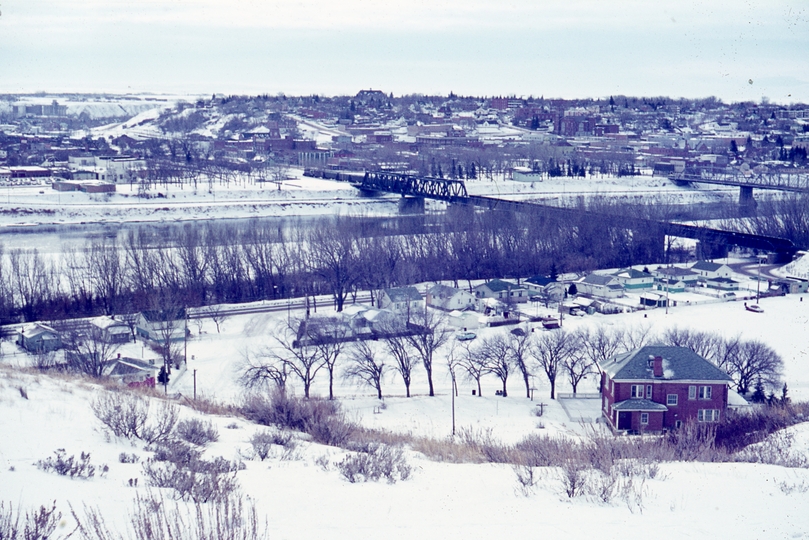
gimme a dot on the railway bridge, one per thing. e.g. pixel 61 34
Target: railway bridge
pixel 418 188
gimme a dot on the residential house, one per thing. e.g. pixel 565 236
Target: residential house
pixel 449 298
pixel 670 285
pixel 675 273
pixel 400 300
pixel 112 330
pixel 657 388
pixel 38 338
pixel 546 287
pixel 600 285
pixel 466 319
pixel 711 270
pixel 158 325
pixel 132 372
pixel 722 284
pixel 633 279
pixel 503 291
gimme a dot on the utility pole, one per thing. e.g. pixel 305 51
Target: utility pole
pixel 195 385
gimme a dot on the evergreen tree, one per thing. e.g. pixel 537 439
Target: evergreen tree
pixel 758 395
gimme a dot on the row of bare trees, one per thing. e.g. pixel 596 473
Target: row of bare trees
pixel 340 256
pixel 303 350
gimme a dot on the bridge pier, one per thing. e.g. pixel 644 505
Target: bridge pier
pixel 411 205
pixel 711 250
pixel 746 199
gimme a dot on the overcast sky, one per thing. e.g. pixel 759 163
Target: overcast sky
pixel 739 50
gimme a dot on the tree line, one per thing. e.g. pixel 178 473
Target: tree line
pixel 554 355
pixel 207 263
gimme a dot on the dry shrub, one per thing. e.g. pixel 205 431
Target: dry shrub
pixel 263 442
pixel 447 450
pixel 197 431
pixel 492 450
pixel 178 466
pixel 323 420
pixel 65 465
pixel 37 525
pixel 154 518
pixel 378 462
pixel 132 417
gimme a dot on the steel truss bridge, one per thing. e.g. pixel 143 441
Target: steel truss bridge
pixel 454 191
pixel 796 181
pixel 416 186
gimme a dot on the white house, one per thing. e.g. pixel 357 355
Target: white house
pixel 633 279
pixel 401 300
pixel 711 270
pixel 449 298
pixel 600 285
pixel 158 325
pixel 112 330
pixel 502 290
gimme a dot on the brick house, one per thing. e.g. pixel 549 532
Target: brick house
pixel 657 388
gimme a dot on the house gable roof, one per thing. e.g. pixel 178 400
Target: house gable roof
pixel 707 266
pixel 444 291
pixel 631 273
pixel 599 279
pixel 403 294
pixel 498 285
pixel 541 281
pixel 679 363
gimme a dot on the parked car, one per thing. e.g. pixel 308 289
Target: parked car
pixel 465 336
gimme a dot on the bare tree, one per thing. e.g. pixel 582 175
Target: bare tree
pixel 299 358
pixel 328 336
pixel 519 345
pixel 577 363
pixel 635 337
pixel 601 344
pixel 397 347
pixel 366 365
pixel 89 352
pixel 474 364
pixel 550 351
pixel 263 374
pixel 429 334
pixel 755 361
pixel 705 344
pixel 497 352
pixel 217 314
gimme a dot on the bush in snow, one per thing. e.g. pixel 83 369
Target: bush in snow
pixel 381 461
pixel 197 432
pixel 154 518
pixel 321 419
pixel 69 466
pixel 263 442
pixel 37 525
pixel 180 467
pixel 130 416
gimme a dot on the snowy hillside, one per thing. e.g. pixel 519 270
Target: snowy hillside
pixel 302 494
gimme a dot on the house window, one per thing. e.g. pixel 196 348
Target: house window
pixel 671 399
pixel 637 391
pixel 708 415
pixel 644 418
pixel 648 391
pixel 692 392
pixel 678 424
pixel 704 392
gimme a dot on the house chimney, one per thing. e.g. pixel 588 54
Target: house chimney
pixel 658 366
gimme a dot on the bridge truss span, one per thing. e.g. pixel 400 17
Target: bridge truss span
pixel 415 186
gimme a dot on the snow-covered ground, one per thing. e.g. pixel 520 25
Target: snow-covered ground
pixel 39 414
pixel 302 500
